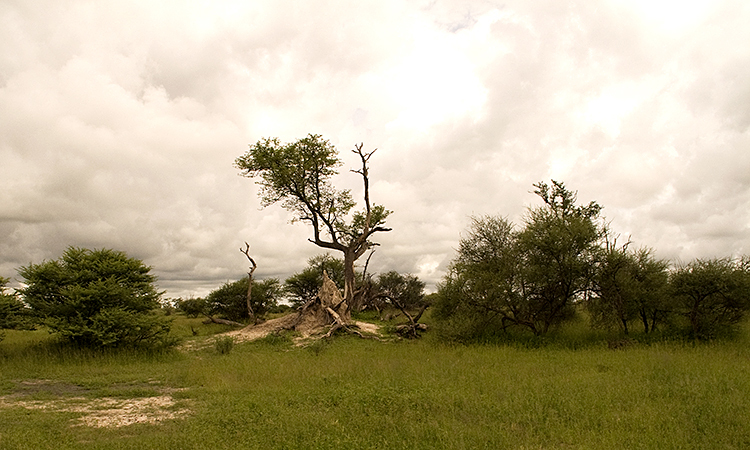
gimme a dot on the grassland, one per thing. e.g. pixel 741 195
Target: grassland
pixel 359 394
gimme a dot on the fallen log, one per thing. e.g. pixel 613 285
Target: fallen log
pixel 210 319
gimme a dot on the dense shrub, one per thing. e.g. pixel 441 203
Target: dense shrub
pixel 13 313
pixel 629 287
pixel 96 298
pixel 711 295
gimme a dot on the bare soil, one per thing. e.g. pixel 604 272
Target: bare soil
pixel 105 412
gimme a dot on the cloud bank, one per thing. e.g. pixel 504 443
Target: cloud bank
pixel 120 122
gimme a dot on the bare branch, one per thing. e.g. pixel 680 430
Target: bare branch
pixel 246 251
pixel 249 294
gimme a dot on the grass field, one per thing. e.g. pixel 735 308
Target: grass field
pixel 360 394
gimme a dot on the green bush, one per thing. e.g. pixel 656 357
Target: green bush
pixel 96 298
pixel 13 313
pixel 192 307
pixel 230 300
pixel 224 344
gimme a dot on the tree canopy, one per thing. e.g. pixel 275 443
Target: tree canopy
pixel 530 277
pixel 298 175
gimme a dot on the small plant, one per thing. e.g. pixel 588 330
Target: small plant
pixel 278 339
pixel 224 344
pixel 317 346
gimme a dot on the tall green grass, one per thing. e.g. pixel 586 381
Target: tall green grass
pixel 350 393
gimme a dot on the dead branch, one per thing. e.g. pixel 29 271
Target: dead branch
pixel 211 319
pixel 249 295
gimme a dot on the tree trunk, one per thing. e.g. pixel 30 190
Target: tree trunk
pixel 250 296
pixel 350 281
pixel 327 308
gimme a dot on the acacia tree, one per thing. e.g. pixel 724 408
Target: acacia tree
pixel 528 278
pixel 712 294
pixel 298 174
pixel 629 286
pixel 558 246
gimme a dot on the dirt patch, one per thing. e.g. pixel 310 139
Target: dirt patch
pixel 105 412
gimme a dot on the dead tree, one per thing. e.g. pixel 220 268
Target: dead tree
pixel 327 309
pixel 410 330
pixel 253 266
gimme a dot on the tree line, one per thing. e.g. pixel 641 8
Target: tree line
pixel 104 298
pixel 562 261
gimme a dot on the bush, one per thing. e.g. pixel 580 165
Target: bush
pixel 192 307
pixel 711 295
pixel 303 286
pixel 230 300
pixel 96 298
pixel 13 313
pixel 224 344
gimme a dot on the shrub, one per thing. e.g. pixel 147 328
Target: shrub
pixel 96 298
pixel 224 344
pixel 230 300
pixel 712 295
pixel 13 313
pixel 192 307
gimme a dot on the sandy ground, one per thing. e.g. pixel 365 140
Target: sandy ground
pixel 105 412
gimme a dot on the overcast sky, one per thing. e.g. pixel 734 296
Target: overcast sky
pixel 120 122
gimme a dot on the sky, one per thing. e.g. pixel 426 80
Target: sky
pixel 120 122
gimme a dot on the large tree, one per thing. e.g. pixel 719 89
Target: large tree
pixel 558 245
pixel 298 174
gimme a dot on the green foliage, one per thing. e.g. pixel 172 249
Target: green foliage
pixel 298 174
pixel 304 286
pixel 230 300
pixel 629 286
pixel 193 307
pixel 13 313
pixel 528 278
pixel 223 344
pixel 711 294
pixel 402 291
pixel 96 298
pixel 480 293
pixel 557 247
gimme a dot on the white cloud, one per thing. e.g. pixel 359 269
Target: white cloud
pixel 120 123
